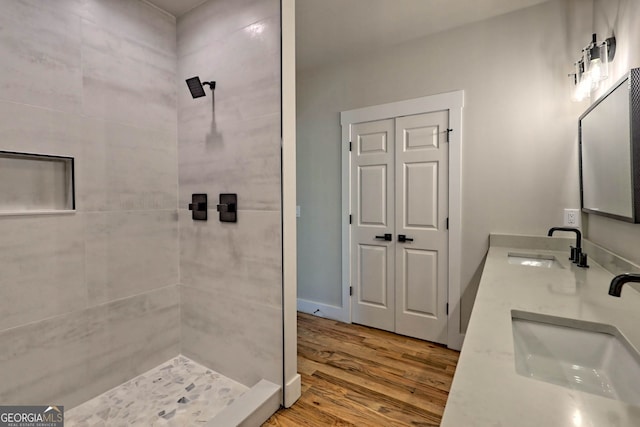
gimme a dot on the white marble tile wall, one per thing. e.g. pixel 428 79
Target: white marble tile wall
pixel 127 168
pixel 75 356
pixel 241 259
pixel 216 19
pixel 27 128
pixel 117 166
pixel 42 264
pixel 239 338
pixel 133 20
pixel 229 141
pixel 232 139
pixel 244 157
pixel 41 56
pixel 136 334
pixel 90 299
pixel 128 253
pixel 127 81
pixel 244 89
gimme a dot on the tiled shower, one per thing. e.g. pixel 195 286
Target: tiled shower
pixel 127 281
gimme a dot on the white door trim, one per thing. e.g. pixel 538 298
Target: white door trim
pixel 291 380
pixel 454 102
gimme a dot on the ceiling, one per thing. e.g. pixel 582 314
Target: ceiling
pixel 176 7
pixel 329 30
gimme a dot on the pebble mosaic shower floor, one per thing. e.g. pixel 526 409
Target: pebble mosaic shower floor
pixel 179 392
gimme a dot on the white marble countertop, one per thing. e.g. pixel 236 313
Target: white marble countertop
pixel 487 390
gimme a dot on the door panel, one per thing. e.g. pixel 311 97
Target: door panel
pixel 373 194
pixel 372 259
pixel 421 189
pixel 420 138
pixel 420 267
pixel 372 143
pixel 421 193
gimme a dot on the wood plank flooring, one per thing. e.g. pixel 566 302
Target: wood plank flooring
pixel 358 376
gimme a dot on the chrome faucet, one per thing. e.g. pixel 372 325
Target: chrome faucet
pixel 616 284
pixel 576 252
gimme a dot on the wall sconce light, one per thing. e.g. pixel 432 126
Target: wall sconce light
pixel 592 67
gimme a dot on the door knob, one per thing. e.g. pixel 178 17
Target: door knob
pixel 402 238
pixel 386 237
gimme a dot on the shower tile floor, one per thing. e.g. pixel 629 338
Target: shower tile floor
pixel 179 392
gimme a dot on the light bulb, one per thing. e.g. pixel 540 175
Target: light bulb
pixel 583 88
pixel 595 70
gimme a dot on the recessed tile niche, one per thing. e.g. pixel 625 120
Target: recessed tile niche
pixel 35 183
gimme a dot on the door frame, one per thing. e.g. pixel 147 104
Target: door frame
pixel 454 102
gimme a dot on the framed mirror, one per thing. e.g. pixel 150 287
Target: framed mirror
pixel 609 135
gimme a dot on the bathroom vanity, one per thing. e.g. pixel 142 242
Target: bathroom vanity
pixel 546 345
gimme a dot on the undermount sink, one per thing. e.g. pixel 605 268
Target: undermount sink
pixel 533 260
pixel 590 357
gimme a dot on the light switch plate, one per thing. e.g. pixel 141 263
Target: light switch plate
pixel 298 211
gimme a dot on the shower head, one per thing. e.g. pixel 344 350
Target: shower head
pixel 196 86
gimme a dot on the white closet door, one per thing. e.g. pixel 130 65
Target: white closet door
pixel 399 236
pixel 372 257
pixel 421 160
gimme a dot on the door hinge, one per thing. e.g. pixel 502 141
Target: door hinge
pixel 350 290
pixel 447 309
pixel 447 223
pixel 349 145
pixel 350 218
pixel 448 131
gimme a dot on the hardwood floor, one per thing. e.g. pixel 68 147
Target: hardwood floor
pixel 358 376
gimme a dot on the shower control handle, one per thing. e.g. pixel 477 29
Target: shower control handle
pixel 386 236
pixel 223 207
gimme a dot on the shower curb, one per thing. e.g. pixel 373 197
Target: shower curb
pixel 252 408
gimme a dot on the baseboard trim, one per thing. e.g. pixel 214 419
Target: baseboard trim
pixel 324 310
pixel 455 341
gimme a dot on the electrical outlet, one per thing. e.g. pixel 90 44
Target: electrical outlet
pixel 572 218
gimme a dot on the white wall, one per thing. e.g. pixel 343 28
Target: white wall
pixel 621 18
pixel 519 132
